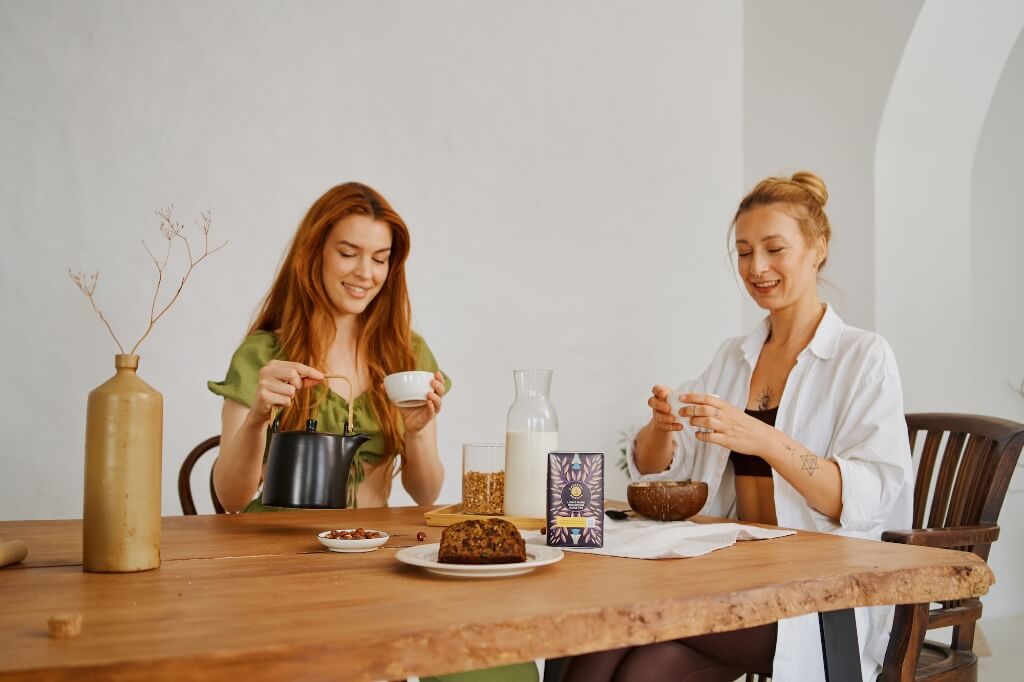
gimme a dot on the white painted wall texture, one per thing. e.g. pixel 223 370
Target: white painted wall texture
pixel 996 321
pixel 567 170
pixel 563 169
pixel 815 80
pixel 818 80
pixel 943 228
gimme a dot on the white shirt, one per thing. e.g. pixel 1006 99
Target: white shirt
pixel 843 401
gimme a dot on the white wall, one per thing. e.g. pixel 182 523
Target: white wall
pixel 940 98
pixel 815 80
pixel 948 237
pixel 563 168
pixel 818 79
pixel 996 320
pixel 997 242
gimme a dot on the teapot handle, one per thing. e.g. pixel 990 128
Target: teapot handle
pixel 275 421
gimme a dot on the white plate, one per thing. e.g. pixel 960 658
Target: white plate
pixel 367 545
pixel 425 556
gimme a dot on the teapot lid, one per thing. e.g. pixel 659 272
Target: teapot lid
pixel 311 428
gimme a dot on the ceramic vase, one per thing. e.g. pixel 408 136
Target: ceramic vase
pixel 123 452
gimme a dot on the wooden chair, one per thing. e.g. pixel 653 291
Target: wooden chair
pixel 188 506
pixel 962 491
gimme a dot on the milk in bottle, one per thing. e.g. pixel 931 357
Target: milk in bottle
pixel 532 432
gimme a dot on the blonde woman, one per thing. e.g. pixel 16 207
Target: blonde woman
pixel 799 423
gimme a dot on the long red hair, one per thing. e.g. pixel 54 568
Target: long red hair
pixel 298 310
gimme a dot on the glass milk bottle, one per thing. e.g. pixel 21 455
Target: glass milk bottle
pixel 532 432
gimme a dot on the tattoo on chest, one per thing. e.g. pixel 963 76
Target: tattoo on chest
pixel 765 398
pixel 805 461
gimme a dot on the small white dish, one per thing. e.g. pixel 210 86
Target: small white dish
pixel 425 556
pixel 408 389
pixel 367 545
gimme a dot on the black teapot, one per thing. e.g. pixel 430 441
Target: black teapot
pixel 309 469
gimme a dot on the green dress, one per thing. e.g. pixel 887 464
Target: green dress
pixel 242 381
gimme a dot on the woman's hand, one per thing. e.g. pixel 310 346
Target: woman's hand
pixel 278 382
pixel 662 417
pixel 734 429
pixel 417 418
pixel 726 424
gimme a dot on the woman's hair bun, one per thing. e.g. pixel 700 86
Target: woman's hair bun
pixel 813 184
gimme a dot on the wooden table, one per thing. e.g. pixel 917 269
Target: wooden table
pixel 257 597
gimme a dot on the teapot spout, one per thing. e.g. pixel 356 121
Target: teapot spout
pixel 350 443
pixel 354 441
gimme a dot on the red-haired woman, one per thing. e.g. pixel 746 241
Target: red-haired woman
pixel 339 305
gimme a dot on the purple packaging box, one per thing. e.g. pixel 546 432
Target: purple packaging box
pixel 575 499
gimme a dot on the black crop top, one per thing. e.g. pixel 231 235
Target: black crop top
pixel 752 465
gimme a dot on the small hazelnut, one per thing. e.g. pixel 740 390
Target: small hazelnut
pixel 543 530
pixel 421 536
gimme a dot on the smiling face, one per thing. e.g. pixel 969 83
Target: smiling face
pixel 776 261
pixel 355 262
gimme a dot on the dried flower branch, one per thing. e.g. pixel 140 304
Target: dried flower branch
pixel 87 285
pixel 171 231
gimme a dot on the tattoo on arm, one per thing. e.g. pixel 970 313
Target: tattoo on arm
pixel 806 461
pixel 765 398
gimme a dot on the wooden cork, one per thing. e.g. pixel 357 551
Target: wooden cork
pixel 12 551
pixel 64 625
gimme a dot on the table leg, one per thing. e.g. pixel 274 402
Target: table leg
pixel 839 647
pixel 553 668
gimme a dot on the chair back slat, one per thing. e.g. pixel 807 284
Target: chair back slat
pixel 1006 455
pixel 188 506
pixel 925 469
pixel 964 467
pixel 947 475
pixel 984 464
pixel 963 473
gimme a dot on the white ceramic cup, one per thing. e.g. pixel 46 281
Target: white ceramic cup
pixel 676 404
pixel 408 389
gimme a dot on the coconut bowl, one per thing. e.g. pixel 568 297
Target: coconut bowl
pixel 667 500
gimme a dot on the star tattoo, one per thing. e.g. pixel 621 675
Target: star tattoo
pixel 807 461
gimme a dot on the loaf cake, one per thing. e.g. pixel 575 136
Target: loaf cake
pixel 485 541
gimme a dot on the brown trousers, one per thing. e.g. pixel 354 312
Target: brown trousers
pixel 720 657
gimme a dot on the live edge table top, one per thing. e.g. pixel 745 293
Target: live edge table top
pixel 256 595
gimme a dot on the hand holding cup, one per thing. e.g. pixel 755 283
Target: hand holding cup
pixel 418 397
pixel 665 407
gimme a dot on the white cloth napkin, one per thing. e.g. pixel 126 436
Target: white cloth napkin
pixel 645 539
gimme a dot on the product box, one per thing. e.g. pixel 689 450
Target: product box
pixel 575 499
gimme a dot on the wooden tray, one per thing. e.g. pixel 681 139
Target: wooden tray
pixel 446 516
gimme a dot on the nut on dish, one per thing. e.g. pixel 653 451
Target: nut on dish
pixel 357 534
